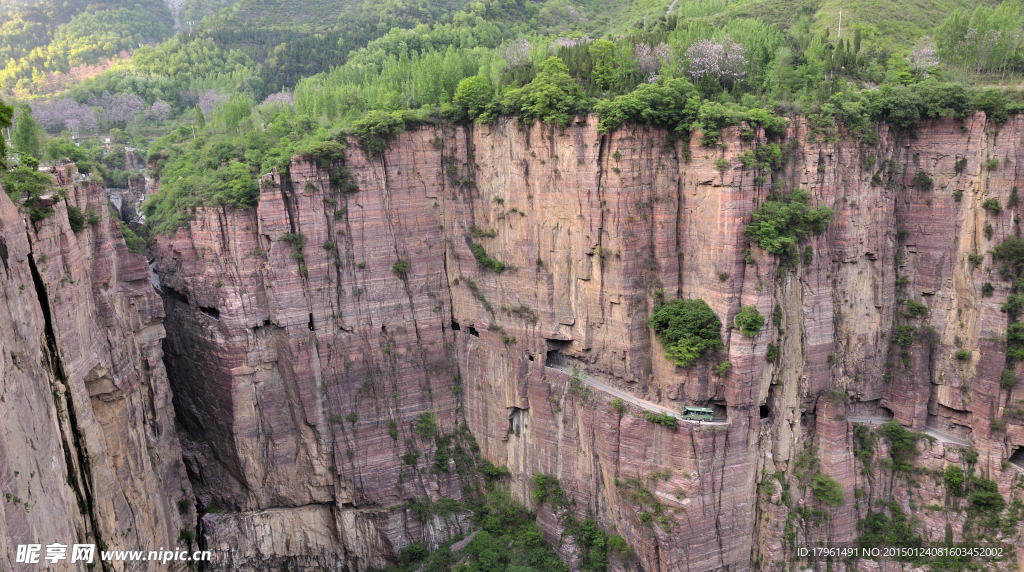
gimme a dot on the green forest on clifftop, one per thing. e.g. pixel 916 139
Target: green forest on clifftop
pixel 258 81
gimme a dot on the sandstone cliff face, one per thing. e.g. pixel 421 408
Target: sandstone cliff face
pixel 88 452
pixel 291 358
pixel 300 370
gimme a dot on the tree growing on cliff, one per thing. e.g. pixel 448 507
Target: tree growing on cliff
pixel 26 186
pixel 686 330
pixel 749 321
pixel 782 221
pixel 954 477
pixel 826 489
pixel 6 112
pixel 902 445
pixel 27 134
pixel 401 268
pixel 485 261
pixel 547 489
pixel 552 97
pixel 879 529
pixel 1015 342
pixel 426 425
pixel 375 129
pixel 76 219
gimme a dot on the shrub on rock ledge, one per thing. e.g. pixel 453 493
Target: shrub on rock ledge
pixel 749 321
pixel 782 221
pixel 686 329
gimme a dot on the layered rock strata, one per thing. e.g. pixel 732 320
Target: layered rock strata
pixel 307 337
pixel 88 452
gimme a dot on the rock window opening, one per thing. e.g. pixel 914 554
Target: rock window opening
pixel 1017 458
pixel 266 322
pixel 312 326
pixel 515 421
pixel 765 411
pixel 211 312
pixel 455 326
pixel 531 357
pixel 177 296
pixel 554 352
pixel 473 332
pixel 3 254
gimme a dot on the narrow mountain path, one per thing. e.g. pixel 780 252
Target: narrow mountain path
pixel 944 437
pixel 649 406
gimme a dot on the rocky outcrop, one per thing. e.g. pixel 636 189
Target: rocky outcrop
pixel 303 365
pixel 88 451
pixel 307 337
pixel 128 200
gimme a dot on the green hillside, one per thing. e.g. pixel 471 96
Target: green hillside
pixel 196 10
pixel 308 15
pixel 285 41
pixel 52 37
pixel 262 80
pixel 894 22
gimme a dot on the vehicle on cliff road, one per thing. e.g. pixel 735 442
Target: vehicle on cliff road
pixel 697 413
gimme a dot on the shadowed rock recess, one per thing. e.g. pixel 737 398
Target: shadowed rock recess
pixel 308 338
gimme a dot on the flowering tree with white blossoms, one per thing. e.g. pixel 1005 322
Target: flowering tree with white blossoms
pixel 651 59
pixel 516 53
pixel 923 57
pixel 724 61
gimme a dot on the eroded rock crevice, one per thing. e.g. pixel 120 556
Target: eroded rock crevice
pixel 76 454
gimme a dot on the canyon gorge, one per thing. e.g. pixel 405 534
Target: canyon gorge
pixel 258 387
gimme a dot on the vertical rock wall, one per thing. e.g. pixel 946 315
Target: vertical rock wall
pixel 88 452
pixel 290 364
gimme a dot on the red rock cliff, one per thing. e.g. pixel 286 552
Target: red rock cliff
pixel 301 355
pixel 88 451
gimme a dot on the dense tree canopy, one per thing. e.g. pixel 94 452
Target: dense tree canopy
pixel 686 329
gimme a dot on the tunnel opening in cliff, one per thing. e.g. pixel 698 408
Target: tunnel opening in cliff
pixel 555 356
pixel 211 312
pixel 1017 458
pixel 721 410
pixel 175 295
pixel 3 255
pixel 455 326
pixel 765 409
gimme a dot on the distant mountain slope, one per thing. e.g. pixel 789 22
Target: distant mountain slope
pixel 320 15
pixel 898 22
pixel 53 38
pixel 195 10
pixel 888 21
